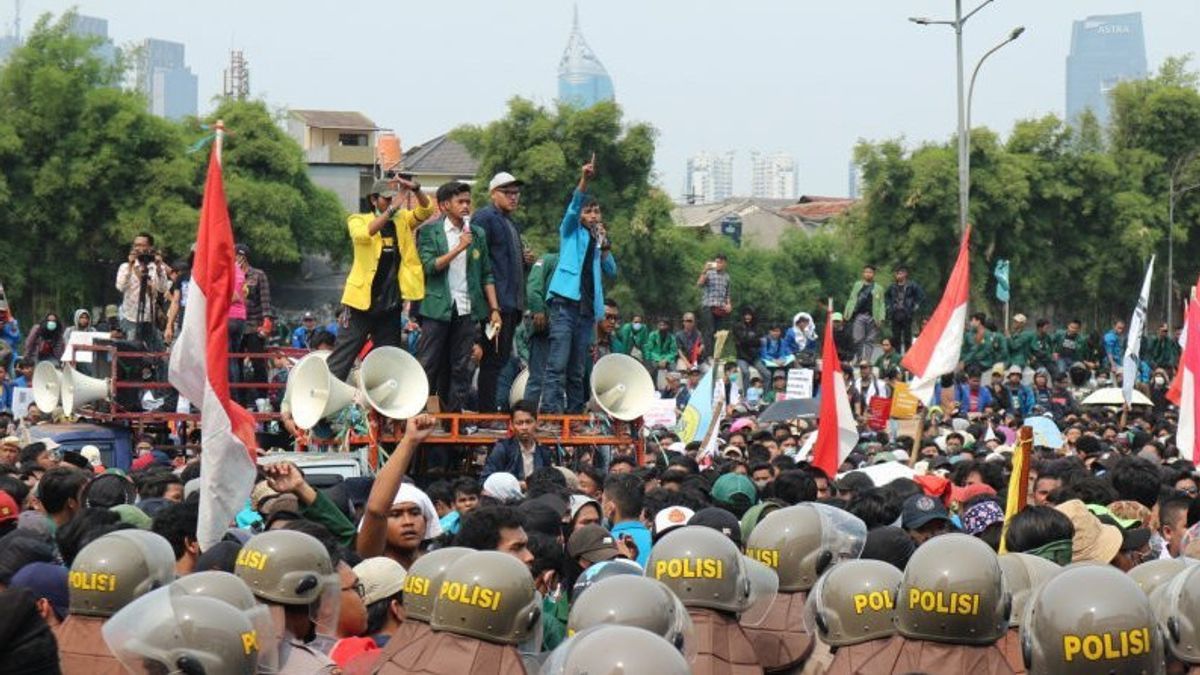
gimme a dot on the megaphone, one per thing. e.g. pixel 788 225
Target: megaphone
pixel 621 387
pixel 47 386
pixel 517 393
pixel 78 389
pixel 314 393
pixel 393 383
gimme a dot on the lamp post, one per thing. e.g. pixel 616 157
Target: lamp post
pixel 1175 192
pixel 964 141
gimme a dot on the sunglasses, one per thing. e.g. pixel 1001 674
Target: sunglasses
pixel 358 588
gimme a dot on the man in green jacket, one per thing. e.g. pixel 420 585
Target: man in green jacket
pixel 459 293
pixel 659 351
pixel 539 327
pixel 982 348
pixel 633 336
pixel 865 312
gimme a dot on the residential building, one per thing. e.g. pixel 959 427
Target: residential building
pixel 1105 50
pixel 763 222
pixel 772 176
pixel 582 79
pixel 170 87
pixel 440 160
pixel 339 147
pixel 709 178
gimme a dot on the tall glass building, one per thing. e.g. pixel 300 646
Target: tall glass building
pixel 582 79
pixel 1104 51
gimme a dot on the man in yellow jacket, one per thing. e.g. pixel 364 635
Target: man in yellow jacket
pixel 386 271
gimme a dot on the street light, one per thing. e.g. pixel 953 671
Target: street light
pixel 1173 195
pixel 964 158
pixel 1012 35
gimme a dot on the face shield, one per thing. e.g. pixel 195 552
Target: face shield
pixel 603 570
pixel 532 644
pixel 763 585
pixel 843 536
pixel 323 611
pixel 683 633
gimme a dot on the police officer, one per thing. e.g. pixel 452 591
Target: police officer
pixel 636 601
pixel 800 543
pixel 107 574
pixel 169 631
pixel 1023 574
pixel 951 608
pixel 421 588
pixel 712 579
pixel 291 573
pixel 609 648
pixel 234 592
pixel 604 570
pixel 1090 619
pixel 485 607
pixel 852 610
pixel 1150 575
pixel 1176 609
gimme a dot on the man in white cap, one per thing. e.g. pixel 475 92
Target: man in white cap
pixel 510 258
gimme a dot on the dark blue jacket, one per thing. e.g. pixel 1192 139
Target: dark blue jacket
pixel 505 457
pixel 500 244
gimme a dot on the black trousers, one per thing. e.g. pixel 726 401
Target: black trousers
pixel 902 336
pixel 354 328
pixel 444 351
pixel 256 370
pixel 495 355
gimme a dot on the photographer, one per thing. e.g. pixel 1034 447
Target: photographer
pixel 141 279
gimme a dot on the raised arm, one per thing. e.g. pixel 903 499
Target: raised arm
pixel 372 537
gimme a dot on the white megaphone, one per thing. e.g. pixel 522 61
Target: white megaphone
pixel 78 389
pixel 47 386
pixel 314 393
pixel 621 387
pixel 517 393
pixel 393 383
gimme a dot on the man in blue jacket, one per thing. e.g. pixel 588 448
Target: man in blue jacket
pixel 520 455
pixel 575 298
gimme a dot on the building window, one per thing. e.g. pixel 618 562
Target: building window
pixel 356 140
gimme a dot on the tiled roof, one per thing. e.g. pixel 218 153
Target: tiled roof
pixel 443 156
pixel 334 119
pixel 819 209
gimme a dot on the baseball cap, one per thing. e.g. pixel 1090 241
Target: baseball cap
pixel 720 520
pixel 740 423
pixel 503 178
pixel 732 451
pixel 1019 318
pixel 381 578
pixel 307 316
pixel 9 511
pixel 729 486
pixel 981 516
pixel 920 509
pixel 593 543
pixel 91 453
pixel 670 518
pixel 242 249
pixel 46 580
pixel 132 515
pixel 998 369
pixel 383 189
pixel 1015 370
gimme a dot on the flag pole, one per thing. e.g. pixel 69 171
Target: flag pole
pixel 219 138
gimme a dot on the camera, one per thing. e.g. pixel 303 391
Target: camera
pixel 146 258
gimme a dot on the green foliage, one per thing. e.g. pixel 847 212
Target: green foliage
pixel 84 167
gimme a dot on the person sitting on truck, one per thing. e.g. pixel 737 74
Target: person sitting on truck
pixel 466 492
pixel 519 454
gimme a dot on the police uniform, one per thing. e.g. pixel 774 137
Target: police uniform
pixel 81 649
pixel 422 585
pixel 298 658
pixel 851 611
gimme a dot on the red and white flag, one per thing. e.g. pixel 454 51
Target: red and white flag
pixel 200 366
pixel 938 348
pixel 1187 438
pixel 837 432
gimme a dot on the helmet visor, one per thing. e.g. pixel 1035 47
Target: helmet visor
pixel 764 589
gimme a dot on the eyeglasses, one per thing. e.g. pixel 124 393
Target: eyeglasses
pixel 612 317
pixel 688 320
pixel 511 193
pixel 358 588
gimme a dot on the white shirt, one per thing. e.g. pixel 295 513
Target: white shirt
pixel 456 273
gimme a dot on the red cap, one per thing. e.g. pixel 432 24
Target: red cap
pixel 8 507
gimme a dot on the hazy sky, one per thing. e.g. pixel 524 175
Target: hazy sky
pixel 801 76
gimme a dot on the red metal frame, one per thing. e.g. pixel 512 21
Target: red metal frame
pixel 564 430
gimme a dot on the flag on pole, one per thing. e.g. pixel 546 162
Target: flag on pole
pixel 1188 436
pixel 1002 280
pixel 837 433
pixel 1133 346
pixel 199 366
pixel 1174 391
pixel 697 416
pixel 1018 483
pixel 937 349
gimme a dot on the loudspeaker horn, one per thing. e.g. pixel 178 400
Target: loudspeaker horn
pixel 393 382
pixel 621 387
pixel 314 393
pixel 78 389
pixel 517 393
pixel 47 386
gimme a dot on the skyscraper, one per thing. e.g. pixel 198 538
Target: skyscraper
pixel 1104 50
pixel 169 85
pixel 773 176
pixel 92 26
pixel 582 79
pixel 709 178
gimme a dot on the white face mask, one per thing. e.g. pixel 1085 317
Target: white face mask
pixel 637 326
pixel 1160 381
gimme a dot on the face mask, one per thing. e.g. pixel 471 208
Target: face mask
pixel 637 326
pixel 1160 381
pixel 733 377
pixel 761 483
pixel 51 325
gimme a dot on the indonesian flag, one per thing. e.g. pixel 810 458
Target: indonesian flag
pixel 938 348
pixel 837 433
pixel 1188 436
pixel 1174 392
pixel 200 366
